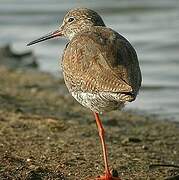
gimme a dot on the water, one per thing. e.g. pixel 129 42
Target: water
pixel 151 26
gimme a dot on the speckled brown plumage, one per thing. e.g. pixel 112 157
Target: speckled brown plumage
pixel 97 60
pixel 101 60
pixel 100 67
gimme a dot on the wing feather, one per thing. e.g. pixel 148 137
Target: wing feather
pixel 101 61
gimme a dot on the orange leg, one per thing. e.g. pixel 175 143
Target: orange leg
pixel 107 175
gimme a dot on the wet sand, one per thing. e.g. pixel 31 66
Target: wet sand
pixel 46 134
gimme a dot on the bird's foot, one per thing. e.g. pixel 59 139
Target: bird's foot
pixel 110 176
pixel 107 178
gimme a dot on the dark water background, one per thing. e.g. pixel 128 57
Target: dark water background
pixel 151 26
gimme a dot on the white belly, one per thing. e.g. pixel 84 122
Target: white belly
pixel 99 102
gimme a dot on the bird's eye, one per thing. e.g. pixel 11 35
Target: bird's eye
pixel 71 19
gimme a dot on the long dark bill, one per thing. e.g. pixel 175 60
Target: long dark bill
pixel 46 37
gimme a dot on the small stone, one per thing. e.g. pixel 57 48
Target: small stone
pixel 145 147
pixel 115 173
pixel 28 159
pixel 48 138
pixel 131 139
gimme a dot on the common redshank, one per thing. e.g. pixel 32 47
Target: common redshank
pixel 100 67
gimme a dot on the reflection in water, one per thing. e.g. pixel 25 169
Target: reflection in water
pixel 151 26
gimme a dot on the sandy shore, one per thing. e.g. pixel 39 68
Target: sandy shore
pixel 46 134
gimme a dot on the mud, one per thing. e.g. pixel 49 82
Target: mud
pixel 46 134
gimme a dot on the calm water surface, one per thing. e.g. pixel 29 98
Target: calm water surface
pixel 151 26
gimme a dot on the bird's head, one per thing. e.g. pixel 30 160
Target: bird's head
pixel 74 22
pixel 80 19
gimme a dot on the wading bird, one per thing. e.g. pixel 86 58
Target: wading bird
pixel 100 67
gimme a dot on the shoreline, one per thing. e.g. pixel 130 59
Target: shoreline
pixel 46 134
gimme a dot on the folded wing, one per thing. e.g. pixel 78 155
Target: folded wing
pixel 101 61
